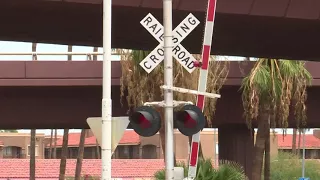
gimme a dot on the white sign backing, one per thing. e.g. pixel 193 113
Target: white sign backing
pixel 179 33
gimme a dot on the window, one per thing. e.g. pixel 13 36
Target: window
pixel 37 149
pixel 125 152
pixel 7 151
pixel 149 152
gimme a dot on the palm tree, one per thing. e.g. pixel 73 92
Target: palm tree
pixel 50 148
pixel 64 155
pixel 33 134
pixel 95 58
pixel 142 87
pixel 33 154
pixel 55 145
pixel 80 154
pixel 294 141
pixel 299 142
pixel 269 90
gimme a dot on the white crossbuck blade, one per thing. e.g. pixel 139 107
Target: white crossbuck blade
pixel 179 33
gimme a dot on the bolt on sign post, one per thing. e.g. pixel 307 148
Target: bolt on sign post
pixel 202 86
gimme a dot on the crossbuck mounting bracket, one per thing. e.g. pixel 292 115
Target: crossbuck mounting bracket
pixel 189 91
pixel 163 104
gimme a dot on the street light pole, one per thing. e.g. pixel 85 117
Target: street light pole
pixel 168 93
pixel 106 93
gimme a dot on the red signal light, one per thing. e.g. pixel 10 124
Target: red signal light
pixel 145 121
pixel 190 120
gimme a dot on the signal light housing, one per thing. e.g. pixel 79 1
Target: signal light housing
pixel 190 120
pixel 145 121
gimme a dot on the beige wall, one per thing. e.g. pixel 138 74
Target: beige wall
pixel 182 147
pixel 22 140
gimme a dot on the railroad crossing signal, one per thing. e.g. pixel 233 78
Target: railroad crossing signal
pixel 190 120
pixel 179 33
pixel 146 121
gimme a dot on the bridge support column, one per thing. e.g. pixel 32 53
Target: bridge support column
pixel 236 144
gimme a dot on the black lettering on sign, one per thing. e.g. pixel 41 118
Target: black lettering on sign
pixel 179 33
pixel 192 21
pixel 184 27
pixel 160 51
pixel 148 20
pixel 161 37
pixel 158 31
pixel 154 59
pixel 175 40
pixel 176 50
pixel 181 55
pixel 146 65
pixel 190 65
pixel 153 27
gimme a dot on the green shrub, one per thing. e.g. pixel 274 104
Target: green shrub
pixel 287 166
pixel 205 171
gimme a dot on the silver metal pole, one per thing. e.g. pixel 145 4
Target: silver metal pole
pixel 168 94
pixel 106 93
pixel 303 153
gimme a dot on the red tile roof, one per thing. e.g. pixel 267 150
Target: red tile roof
pixel 285 142
pixel 49 168
pixel 129 137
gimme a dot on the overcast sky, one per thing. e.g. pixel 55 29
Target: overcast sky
pixel 6 46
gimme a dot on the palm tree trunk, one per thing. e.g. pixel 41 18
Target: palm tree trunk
pixel 259 146
pixel 299 142
pixel 33 155
pixel 33 134
pixel 294 141
pixel 98 150
pixel 50 148
pixel 267 153
pixel 55 144
pixel 80 154
pixel 64 155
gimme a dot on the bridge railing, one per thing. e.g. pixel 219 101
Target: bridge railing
pixel 88 54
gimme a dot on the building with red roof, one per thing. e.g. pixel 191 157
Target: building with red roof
pixel 312 144
pixel 132 146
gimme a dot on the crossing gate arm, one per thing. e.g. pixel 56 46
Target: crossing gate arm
pixel 202 86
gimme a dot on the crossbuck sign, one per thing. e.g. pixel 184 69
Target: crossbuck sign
pixel 179 33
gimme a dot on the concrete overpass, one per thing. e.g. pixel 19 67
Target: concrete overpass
pixel 62 94
pixel 253 28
